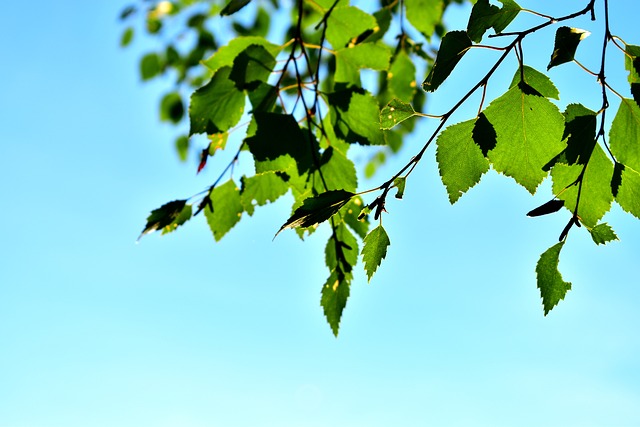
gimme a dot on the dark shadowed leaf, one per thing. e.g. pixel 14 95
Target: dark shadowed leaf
pixel 233 6
pixel 566 43
pixel 454 45
pixel 536 80
pixel 485 16
pixel 317 209
pixel 163 216
pixel 335 293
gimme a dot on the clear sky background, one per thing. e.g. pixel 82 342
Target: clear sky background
pixel 180 331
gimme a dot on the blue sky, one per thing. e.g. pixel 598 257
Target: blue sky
pixel 96 330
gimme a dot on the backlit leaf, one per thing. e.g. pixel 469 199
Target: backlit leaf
pixel 565 45
pixel 424 15
pixel 341 251
pixel 552 287
pixel 163 216
pixel 251 67
pixel 347 23
pixel 624 135
pixel 350 60
pixel 351 215
pixel 338 171
pixel 355 117
pixel 454 45
pixel 628 196
pixel 401 77
pixel 217 106
pixel 317 209
pixel 225 56
pixel 150 66
pixel 460 159
pixel 602 234
pixel 127 36
pixel 335 293
pixel 528 134
pixel 395 112
pixel 261 189
pixel 536 80
pixel 227 209
pixel 374 250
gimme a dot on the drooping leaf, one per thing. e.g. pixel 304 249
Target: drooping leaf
pixel 460 159
pixel 233 6
pixel 625 134
pixel 317 209
pixel 566 44
pixel 399 183
pixel 401 77
pixel 260 189
pixel 424 15
pixel 628 196
pixel 335 293
pixel 227 209
pixel 163 216
pixel 395 112
pixel 347 23
pixel 251 67
pixel 225 56
pixel 354 117
pixel 485 16
pixel 217 106
pixel 595 196
pixel 552 287
pixel 171 108
pixel 454 45
pixel 602 234
pixel 550 207
pixel 182 147
pixel 374 250
pixel 350 60
pixel 536 80
pixel 528 134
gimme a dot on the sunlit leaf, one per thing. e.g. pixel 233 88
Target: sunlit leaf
pixel 335 293
pixel 552 287
pixel 355 117
pixel 424 15
pixel 401 77
pixel 260 189
pixel 602 234
pixel 628 196
pixel 625 134
pixel 394 113
pixel 374 250
pixel 347 23
pixel 536 80
pixel 251 67
pixel 350 60
pixel 225 56
pixel 227 209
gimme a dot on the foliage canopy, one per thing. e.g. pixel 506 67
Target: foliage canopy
pixel 303 89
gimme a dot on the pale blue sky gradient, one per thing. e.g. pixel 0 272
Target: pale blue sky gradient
pixel 180 331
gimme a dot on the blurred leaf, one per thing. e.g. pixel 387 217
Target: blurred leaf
pixel 182 146
pixel 233 6
pixel 171 108
pixel 150 66
pixel 552 287
pixel 127 36
pixel 402 77
pixel 163 216
pixel 424 15
pixel 566 43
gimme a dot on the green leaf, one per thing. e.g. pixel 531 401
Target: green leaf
pixel 566 43
pixel 552 287
pixel 335 293
pixel 400 183
pixel 374 250
pixel 127 36
pixel 279 144
pixel 628 196
pixel 225 56
pixel 354 117
pixel 536 80
pixel 485 16
pixel 631 63
pixel 233 6
pixel 596 196
pixel 171 108
pixel 341 251
pixel 401 78
pixel 261 189
pixel 184 216
pixel 528 134
pixel 395 112
pixel 150 66
pixel 163 216
pixel 350 60
pixel 350 214
pixel 347 23
pixel 602 234
pixel 227 209
pixel 454 45
pixel 424 15
pixel 338 171
pixel 251 67
pixel 217 106
pixel 317 209
pixel 460 160
pixel 625 134
pixel 182 147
